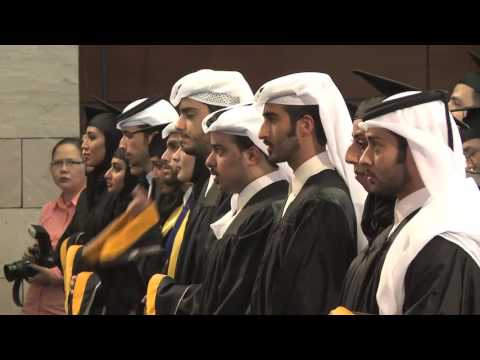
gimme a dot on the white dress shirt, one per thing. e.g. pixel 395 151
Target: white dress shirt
pixel 238 201
pixel 312 166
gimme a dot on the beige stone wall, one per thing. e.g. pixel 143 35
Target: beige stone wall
pixel 39 103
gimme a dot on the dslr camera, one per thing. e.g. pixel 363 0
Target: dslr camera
pixel 41 254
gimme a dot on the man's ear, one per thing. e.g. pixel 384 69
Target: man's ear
pixel 253 155
pixel 306 126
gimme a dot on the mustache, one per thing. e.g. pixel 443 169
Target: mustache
pixel 268 143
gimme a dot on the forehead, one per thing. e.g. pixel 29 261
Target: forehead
pixel 131 129
pixel 116 160
pixel 356 129
pixel 386 136
pixel 134 137
pixel 93 129
pixel 472 144
pixel 66 151
pixel 187 103
pixel 462 90
pixel 221 138
pixel 275 109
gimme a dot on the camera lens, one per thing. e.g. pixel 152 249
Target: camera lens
pixel 18 270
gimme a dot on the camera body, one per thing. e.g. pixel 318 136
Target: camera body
pixel 42 256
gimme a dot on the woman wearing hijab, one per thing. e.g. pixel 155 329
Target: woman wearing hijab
pixel 120 285
pixel 99 143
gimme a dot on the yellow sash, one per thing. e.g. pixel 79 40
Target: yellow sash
pixel 120 235
pixel 172 262
pixel 79 291
pixel 152 288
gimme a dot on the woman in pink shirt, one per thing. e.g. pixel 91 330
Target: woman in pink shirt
pixel 45 295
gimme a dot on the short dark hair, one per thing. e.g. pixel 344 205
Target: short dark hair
pixel 213 108
pixel 71 141
pixel 245 143
pixel 366 104
pixel 296 112
pixel 402 148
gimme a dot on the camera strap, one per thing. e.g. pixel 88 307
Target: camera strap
pixel 16 292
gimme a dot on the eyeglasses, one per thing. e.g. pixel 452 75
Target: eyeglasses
pixel 129 134
pixel 58 164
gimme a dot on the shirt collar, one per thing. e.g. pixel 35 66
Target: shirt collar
pixel 238 202
pixel 149 177
pixel 409 204
pixel 186 196
pixel 60 203
pixel 211 180
pixel 312 166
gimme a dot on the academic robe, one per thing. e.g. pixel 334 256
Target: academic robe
pixel 124 282
pixel 232 262
pixel 309 251
pixel 441 279
pixel 196 242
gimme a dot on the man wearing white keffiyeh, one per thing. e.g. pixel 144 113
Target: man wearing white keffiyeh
pixel 430 262
pixel 307 124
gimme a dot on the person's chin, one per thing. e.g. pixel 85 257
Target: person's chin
pixel 276 159
pixel 362 180
pixel 136 170
pixel 475 177
pixel 65 187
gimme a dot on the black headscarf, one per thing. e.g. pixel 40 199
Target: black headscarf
pixel 111 205
pixel 124 197
pixel 106 123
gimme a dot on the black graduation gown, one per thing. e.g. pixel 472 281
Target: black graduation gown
pixel 196 242
pixel 195 246
pixel 309 251
pixel 232 263
pixel 124 283
pixel 442 279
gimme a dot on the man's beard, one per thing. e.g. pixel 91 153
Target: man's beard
pixel 475 175
pixel 283 150
pixel 172 181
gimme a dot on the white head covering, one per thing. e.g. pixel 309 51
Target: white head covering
pixel 241 120
pixel 159 113
pixel 169 129
pixel 452 209
pixel 318 89
pixel 219 88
